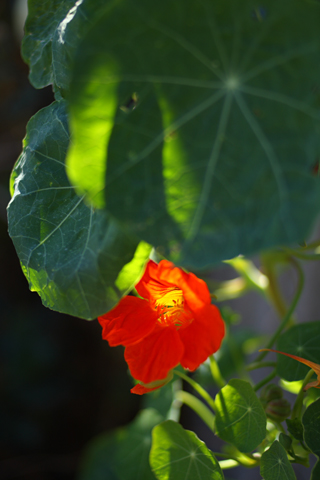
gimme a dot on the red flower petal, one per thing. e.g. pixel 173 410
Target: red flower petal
pixel 149 286
pixel 158 278
pixel 157 354
pixel 141 389
pixel 129 322
pixel 195 291
pixel 202 337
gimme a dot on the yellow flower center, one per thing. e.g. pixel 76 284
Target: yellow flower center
pixel 171 309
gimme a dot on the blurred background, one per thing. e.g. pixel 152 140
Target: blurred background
pixel 60 384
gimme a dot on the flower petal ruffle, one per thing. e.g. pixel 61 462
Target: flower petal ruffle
pixel 154 357
pixel 149 287
pixel 142 388
pixel 202 337
pixel 195 290
pixel 158 278
pixel 129 322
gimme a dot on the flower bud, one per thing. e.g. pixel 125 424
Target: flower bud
pixel 270 392
pixel 278 409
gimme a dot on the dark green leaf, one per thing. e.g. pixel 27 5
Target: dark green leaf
pixel 315 474
pixel 41 25
pixel 209 119
pixel 74 256
pixel 286 442
pixel 303 341
pixel 53 31
pixel 240 418
pixel 275 464
pixel 178 454
pixel 68 35
pixel 311 425
pixel 295 428
pixel 161 400
pixel 123 454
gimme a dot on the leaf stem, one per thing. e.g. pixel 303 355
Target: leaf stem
pixel 204 394
pixel 255 366
pixel 265 380
pixel 297 407
pixel 303 256
pixel 273 291
pixel 197 406
pixel 291 309
pixel 250 273
pixel 215 372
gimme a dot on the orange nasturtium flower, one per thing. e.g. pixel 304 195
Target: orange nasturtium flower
pixel 314 366
pixel 173 323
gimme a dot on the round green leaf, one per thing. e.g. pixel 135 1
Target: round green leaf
pixel 123 454
pixel 303 341
pixel 178 454
pixel 203 123
pixel 77 258
pixel 275 464
pixel 240 418
pixel 311 426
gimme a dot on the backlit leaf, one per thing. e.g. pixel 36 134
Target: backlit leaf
pixel 77 258
pixel 275 464
pixel 178 454
pixel 240 418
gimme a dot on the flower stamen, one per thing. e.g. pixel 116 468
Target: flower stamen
pixel 171 309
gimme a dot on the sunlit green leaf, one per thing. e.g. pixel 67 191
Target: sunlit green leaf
pixel 240 418
pixel 275 464
pixel 74 256
pixel 303 341
pixel 202 123
pixel 311 426
pixel 123 454
pixel 178 454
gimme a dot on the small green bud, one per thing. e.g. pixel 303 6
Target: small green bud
pixel 278 409
pixel 270 392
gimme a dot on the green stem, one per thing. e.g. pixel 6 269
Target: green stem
pixel 225 464
pixel 297 407
pixel 273 290
pixel 250 273
pixel 229 289
pixel 204 394
pixel 280 427
pixel 254 366
pixel 265 381
pixel 197 406
pixel 246 460
pixel 301 253
pixel 215 371
pixel 287 317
